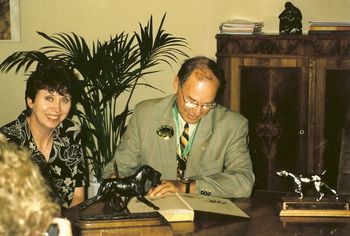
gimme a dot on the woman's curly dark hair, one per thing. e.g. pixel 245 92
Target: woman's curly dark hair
pixel 53 76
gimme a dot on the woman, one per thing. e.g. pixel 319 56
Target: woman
pixel 52 138
pixel 26 207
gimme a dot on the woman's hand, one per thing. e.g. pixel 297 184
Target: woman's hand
pixel 78 197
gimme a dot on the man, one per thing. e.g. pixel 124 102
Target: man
pixel 198 146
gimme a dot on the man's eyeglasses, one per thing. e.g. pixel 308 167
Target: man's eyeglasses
pixel 192 104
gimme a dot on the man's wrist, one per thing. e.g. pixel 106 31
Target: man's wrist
pixel 187 183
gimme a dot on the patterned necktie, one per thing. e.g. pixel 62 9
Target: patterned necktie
pixel 181 160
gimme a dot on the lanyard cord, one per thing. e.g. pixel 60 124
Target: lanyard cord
pixel 186 150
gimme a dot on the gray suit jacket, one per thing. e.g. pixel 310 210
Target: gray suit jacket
pixel 219 159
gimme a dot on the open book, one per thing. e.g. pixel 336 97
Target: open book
pixel 181 206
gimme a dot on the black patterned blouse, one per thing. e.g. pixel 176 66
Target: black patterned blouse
pixel 65 168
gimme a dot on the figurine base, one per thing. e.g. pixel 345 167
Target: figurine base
pixel 100 216
pixel 290 206
pixel 115 221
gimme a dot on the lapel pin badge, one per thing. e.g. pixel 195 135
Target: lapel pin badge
pixel 165 132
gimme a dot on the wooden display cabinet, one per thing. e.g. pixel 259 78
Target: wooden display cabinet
pixel 295 92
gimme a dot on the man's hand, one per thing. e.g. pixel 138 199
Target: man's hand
pixel 171 186
pixel 166 187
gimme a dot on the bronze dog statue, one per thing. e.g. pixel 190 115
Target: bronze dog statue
pixel 128 187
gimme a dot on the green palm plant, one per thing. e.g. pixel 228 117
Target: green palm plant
pixel 109 69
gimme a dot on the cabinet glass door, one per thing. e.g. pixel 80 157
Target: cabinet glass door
pixel 336 119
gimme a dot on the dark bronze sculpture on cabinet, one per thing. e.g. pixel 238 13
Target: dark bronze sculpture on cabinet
pixel 290 20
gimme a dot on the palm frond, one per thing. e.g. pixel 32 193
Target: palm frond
pixel 162 48
pixel 22 60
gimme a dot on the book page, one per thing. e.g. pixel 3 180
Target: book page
pixel 180 206
pixel 172 207
pixel 165 202
pixel 212 204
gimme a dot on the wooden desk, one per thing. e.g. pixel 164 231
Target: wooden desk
pixel 264 221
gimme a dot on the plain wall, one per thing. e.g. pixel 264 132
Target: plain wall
pixel 195 20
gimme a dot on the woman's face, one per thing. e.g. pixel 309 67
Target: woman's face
pixel 49 109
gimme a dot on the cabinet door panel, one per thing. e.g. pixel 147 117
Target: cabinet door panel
pixel 270 98
pixel 273 94
pixel 337 118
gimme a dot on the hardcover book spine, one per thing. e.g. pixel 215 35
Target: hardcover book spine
pixel 330 28
pixel 329 32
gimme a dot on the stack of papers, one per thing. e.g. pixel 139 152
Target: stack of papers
pixel 240 26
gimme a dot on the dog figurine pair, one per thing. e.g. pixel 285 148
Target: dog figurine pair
pixel 301 180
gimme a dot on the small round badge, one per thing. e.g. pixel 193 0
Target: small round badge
pixel 165 132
